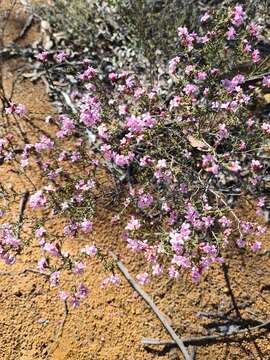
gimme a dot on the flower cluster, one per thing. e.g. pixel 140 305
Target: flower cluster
pixel 182 152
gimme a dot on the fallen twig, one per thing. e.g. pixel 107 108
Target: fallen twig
pixel 61 328
pixel 208 340
pixel 23 272
pixel 256 77
pixel 149 301
pixel 225 269
pixel 25 28
pixel 21 211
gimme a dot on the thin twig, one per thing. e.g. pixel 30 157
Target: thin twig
pixel 225 269
pixel 25 28
pixel 21 211
pixel 208 340
pixel 61 327
pixel 149 301
pixel 256 77
pixel 23 272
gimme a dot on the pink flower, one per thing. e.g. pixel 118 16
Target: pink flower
pixel 201 75
pixel 177 241
pixel 175 102
pixel 42 56
pixel 195 274
pixel 173 273
pixel 145 201
pixel 157 269
pixel 89 250
pixel 86 226
pixel 234 166
pixel 190 89
pixel 82 291
pixel 231 33
pixel 143 278
pixel 256 246
pixel 225 222
pixel 113 76
pixel 42 264
pixel 256 165
pixel 253 29
pixel 240 243
pixel 237 17
pixel 181 261
pixel 88 74
pixel 266 81
pixel 266 127
pixel 173 64
pixel 133 224
pixel 79 268
pixel 123 109
pixel 122 160
pixel 21 110
pixel 40 231
pixel 112 279
pixel 51 249
pixel 205 17
pixel 256 56
pixel 63 295
pixel 61 57
pixel 182 31
pixel 55 278
pixel 37 200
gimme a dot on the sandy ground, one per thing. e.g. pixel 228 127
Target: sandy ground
pixel 110 323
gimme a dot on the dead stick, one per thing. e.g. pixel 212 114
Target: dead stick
pixel 25 28
pixel 207 340
pixel 256 77
pixel 21 211
pixel 23 272
pixel 149 301
pixel 61 328
pixel 225 269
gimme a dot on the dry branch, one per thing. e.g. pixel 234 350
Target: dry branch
pixel 177 341
pixel 21 211
pixel 208 340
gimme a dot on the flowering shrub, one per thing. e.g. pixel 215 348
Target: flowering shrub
pixel 178 160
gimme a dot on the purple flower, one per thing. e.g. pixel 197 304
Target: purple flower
pixel 54 278
pixel 86 226
pixel 133 224
pixel 79 268
pixel 181 261
pixel 190 89
pixel 42 56
pixel 231 33
pixel 42 264
pixel 37 200
pixel 266 81
pixel 61 56
pixel 89 250
pixel 157 269
pixel 51 249
pixel 256 246
pixel 173 273
pixel 237 17
pixel 63 295
pixel 40 231
pixel 82 291
pixel 88 74
pixel 143 278
pixel 145 201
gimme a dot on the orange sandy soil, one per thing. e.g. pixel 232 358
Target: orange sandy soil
pixel 111 322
